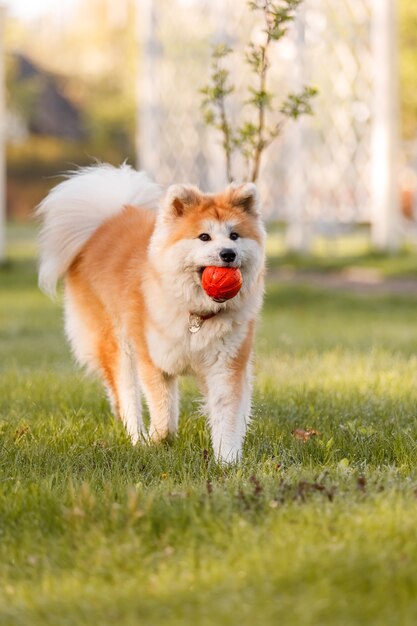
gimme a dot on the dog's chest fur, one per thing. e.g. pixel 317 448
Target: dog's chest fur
pixel 177 351
pixel 171 345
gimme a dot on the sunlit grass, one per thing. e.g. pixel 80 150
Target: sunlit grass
pixel 316 532
pixel 345 250
pixel 347 243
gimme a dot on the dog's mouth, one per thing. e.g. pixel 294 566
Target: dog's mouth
pixel 200 270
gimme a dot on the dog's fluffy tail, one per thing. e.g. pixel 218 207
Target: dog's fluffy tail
pixel 75 208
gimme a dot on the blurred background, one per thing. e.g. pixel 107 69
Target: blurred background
pixel 95 531
pixel 120 79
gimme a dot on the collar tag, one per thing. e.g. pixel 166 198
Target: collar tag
pixel 194 322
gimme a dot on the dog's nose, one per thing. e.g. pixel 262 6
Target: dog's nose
pixel 227 255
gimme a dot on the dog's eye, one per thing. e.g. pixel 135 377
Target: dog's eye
pixel 234 236
pixel 204 237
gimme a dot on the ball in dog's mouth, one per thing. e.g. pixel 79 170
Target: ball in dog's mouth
pixel 221 283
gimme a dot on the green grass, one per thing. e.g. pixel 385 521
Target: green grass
pixel 348 251
pixel 320 533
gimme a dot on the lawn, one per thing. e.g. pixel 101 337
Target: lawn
pixel 312 529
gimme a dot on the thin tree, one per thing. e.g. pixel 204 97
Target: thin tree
pixel 254 135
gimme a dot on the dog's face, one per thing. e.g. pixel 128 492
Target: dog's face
pixel 196 230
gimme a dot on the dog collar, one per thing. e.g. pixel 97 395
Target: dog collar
pixel 195 321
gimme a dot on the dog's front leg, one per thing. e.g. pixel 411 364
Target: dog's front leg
pixel 229 392
pixel 161 393
pixel 229 404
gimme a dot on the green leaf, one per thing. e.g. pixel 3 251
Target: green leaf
pixel 297 104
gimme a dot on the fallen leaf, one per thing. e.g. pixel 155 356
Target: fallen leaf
pixel 20 432
pixel 304 435
pixel 361 483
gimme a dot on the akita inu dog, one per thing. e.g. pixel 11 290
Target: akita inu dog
pixel 135 311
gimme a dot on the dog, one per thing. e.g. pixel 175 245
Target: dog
pixel 132 259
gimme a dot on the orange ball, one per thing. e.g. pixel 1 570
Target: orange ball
pixel 221 283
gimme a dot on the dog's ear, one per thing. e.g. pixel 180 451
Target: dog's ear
pixel 181 198
pixel 244 196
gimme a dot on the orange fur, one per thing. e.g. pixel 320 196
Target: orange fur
pixel 101 285
pixel 215 208
pixel 132 282
pixel 240 361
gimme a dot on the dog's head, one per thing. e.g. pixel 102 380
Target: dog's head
pixel 196 230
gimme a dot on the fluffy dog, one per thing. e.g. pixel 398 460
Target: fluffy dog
pixel 135 311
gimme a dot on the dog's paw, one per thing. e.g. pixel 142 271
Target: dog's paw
pixel 138 436
pixel 161 435
pixel 228 455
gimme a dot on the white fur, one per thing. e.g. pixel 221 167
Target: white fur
pixel 79 335
pixel 208 352
pixel 130 408
pixel 164 408
pixel 73 210
pixel 229 415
